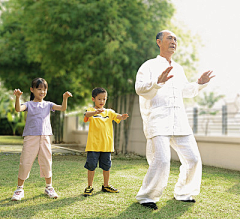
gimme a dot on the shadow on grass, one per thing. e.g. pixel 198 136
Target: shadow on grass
pixel 9 202
pixel 31 211
pixel 94 194
pixel 172 209
pixel 234 189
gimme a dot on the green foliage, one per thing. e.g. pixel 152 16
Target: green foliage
pixel 16 120
pixel 187 51
pixel 81 44
pixel 208 100
pixel 4 102
pixel 77 45
pixel 7 110
pixel 206 106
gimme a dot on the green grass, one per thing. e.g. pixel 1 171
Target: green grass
pixel 219 197
pixel 11 140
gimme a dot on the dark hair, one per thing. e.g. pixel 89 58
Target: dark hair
pixel 159 36
pixel 98 90
pixel 36 82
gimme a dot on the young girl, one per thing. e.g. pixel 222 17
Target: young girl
pixel 36 135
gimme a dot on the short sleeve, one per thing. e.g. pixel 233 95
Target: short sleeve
pixel 87 119
pixel 26 104
pixel 117 120
pixel 114 116
pixel 51 106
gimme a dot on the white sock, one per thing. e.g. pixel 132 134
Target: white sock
pixel 48 185
pixel 19 187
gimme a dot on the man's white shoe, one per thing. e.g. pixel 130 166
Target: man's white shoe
pixel 18 194
pixel 50 192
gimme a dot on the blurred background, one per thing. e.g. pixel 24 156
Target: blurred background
pixel 216 22
pixel 80 44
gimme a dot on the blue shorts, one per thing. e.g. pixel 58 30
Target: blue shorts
pixel 93 157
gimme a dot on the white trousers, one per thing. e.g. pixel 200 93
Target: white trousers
pixel 159 156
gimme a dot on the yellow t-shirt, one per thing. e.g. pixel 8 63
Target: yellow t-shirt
pixel 100 134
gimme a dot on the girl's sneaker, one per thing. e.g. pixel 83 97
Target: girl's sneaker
pixel 18 194
pixel 50 192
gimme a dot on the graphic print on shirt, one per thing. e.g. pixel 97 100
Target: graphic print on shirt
pixel 99 116
pixel 100 134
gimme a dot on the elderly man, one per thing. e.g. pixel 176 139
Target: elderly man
pixel 161 85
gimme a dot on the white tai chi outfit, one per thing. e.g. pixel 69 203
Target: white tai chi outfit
pixel 165 123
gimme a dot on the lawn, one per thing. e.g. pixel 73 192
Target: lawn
pixel 11 140
pixel 219 197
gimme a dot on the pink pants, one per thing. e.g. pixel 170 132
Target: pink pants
pixel 34 146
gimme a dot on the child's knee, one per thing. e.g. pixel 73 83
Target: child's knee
pixel 105 167
pixel 90 166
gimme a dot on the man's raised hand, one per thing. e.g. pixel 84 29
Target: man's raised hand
pixel 164 76
pixel 205 77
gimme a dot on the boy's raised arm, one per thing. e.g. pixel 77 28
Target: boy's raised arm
pixel 122 116
pixel 92 113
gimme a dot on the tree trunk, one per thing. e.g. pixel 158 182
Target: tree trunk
pixel 122 104
pixel 127 123
pixel 57 126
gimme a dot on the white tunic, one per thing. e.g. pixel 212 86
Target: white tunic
pixel 161 105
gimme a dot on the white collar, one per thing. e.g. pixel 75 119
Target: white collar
pixel 162 59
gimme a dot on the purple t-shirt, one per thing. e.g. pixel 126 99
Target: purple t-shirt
pixel 38 118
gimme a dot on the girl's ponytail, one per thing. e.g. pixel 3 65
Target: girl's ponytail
pixel 31 96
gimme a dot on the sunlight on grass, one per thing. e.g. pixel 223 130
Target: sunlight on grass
pixel 219 197
pixel 11 140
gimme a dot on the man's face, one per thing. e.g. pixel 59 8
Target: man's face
pixel 168 44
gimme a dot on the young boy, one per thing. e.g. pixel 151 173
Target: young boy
pixel 100 139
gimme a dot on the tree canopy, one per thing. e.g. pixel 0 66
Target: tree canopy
pixel 79 44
